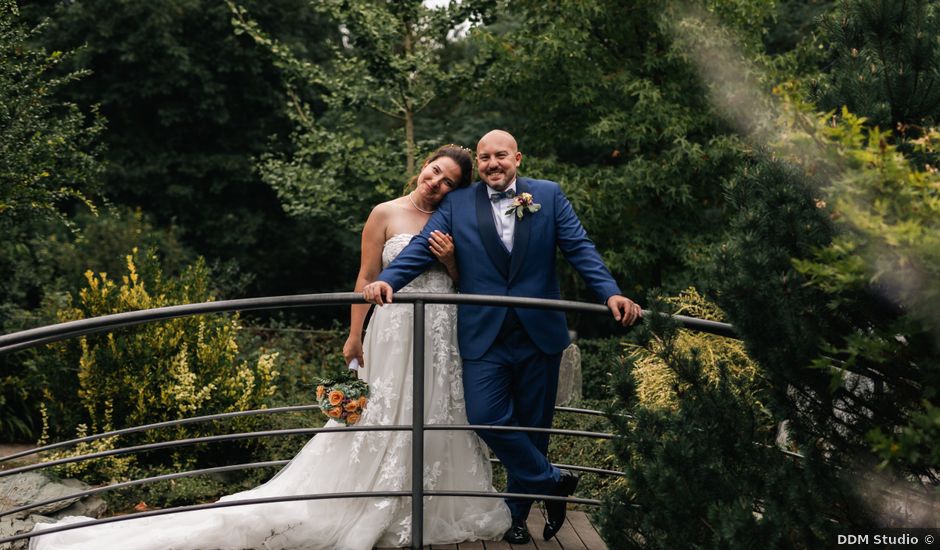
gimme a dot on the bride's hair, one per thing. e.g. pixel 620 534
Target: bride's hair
pixel 461 155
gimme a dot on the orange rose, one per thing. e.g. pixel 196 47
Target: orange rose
pixel 335 412
pixel 362 402
pixel 320 391
pixel 352 419
pixel 336 397
pixel 351 406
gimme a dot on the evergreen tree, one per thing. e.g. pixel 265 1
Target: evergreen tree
pixel 833 287
pixel 706 473
pixel 829 271
pixel 882 62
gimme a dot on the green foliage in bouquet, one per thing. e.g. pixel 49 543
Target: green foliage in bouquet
pixel 162 371
pixel 343 397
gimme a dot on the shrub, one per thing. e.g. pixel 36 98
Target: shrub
pixel 658 385
pixel 702 467
pixel 160 371
pixel 599 358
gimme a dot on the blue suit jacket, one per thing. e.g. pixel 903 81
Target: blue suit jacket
pixel 486 267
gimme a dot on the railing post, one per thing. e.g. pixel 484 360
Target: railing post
pixel 417 429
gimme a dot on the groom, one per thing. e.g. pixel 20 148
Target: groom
pixel 511 356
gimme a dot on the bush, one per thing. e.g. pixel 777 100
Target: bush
pixel 699 451
pixel 659 386
pixel 44 261
pixel 584 451
pixel 48 163
pixel 48 151
pixel 600 357
pixel 156 372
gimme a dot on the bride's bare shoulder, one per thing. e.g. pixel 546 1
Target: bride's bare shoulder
pixel 386 219
pixel 389 207
pixel 384 210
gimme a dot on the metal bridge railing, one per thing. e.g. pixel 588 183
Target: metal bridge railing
pixel 43 335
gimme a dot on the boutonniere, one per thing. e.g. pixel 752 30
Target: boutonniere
pixel 522 204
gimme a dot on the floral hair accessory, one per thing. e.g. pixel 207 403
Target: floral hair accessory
pixel 522 204
pixel 343 397
pixel 461 147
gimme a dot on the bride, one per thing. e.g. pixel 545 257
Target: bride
pixel 358 461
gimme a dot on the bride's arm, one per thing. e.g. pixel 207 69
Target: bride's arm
pixel 370 265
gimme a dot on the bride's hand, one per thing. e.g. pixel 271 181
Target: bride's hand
pixel 442 246
pixel 352 349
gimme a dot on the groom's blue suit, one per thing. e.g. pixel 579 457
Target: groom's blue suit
pixel 511 356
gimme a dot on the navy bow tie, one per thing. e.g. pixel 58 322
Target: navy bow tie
pixel 507 194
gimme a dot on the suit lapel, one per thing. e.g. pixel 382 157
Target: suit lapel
pixel 520 242
pixel 488 236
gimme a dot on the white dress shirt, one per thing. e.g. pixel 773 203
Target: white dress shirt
pixel 505 223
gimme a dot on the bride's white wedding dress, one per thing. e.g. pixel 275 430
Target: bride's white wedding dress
pixel 351 461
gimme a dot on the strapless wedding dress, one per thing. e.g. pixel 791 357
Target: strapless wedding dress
pixel 347 462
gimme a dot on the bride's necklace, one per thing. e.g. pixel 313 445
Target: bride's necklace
pixel 418 208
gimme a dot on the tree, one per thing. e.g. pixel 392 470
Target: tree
pixel 828 270
pixel 49 164
pixel 825 284
pixel 190 105
pixel 829 274
pixel 48 152
pixel 604 101
pixel 386 68
pixel 882 62
pixel 697 444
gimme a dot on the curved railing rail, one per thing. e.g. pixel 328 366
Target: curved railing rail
pixel 43 335
pixel 82 327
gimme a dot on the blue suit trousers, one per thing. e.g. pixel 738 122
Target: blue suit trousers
pixel 515 384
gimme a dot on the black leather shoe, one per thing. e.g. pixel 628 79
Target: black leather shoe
pixel 556 510
pixel 518 533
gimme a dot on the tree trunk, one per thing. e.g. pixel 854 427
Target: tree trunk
pixel 409 111
pixel 409 141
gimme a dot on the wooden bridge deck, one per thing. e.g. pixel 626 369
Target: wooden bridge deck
pixel 577 534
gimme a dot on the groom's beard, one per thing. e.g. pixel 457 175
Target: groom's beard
pixel 498 184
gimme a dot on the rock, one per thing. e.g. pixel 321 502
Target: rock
pixel 10 525
pixel 569 377
pixel 34 487
pixel 93 506
pixel 21 489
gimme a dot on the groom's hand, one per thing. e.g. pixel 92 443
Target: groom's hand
pixel 378 293
pixel 625 311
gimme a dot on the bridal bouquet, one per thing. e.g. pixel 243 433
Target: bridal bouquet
pixel 343 397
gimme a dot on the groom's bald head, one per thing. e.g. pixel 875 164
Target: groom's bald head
pixel 501 136
pixel 498 158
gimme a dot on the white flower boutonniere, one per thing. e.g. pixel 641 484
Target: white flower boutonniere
pixel 522 204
